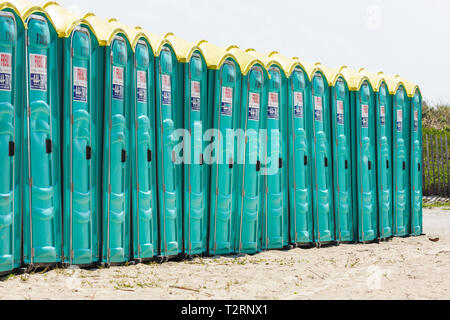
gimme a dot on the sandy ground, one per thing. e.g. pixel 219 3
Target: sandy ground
pixel 412 268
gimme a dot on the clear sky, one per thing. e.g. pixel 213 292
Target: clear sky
pixel 406 37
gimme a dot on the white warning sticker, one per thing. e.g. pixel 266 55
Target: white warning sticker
pixel 364 116
pixel 117 83
pixel 399 120
pixel 253 106
pixel 166 86
pixel 340 111
pixel 38 72
pixel 273 110
pixel 227 101
pixel 195 95
pixel 382 115
pixel 80 84
pixel 318 109
pixel 141 86
pixel 416 120
pixel 5 71
pixel 298 104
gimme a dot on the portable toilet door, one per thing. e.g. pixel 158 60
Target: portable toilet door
pixel 364 154
pixel 193 72
pixel 250 184
pixel 320 141
pixel 224 94
pixel 116 144
pixel 383 114
pixel 169 115
pixel 42 225
pixel 400 155
pixel 341 111
pixel 79 139
pixel 12 71
pixel 275 219
pixel 415 98
pixel 144 215
pixel 301 231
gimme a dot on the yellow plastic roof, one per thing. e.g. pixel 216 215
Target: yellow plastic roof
pixel 394 83
pixel 289 65
pixel 375 79
pixel 411 88
pixel 246 61
pixel 268 61
pixel 215 56
pixel 9 5
pixel 137 33
pixel 27 8
pixel 355 79
pixel 332 74
pixel 106 31
pixel 64 20
pixel 183 49
pixel 317 67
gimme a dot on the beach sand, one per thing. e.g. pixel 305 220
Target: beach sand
pixel 410 268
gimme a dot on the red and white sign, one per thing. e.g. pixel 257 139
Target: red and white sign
pixel 340 107
pixel 195 89
pixel 399 115
pixel 80 77
pixel 273 99
pixel 141 79
pixel 365 111
pixel 38 64
pixel 5 63
pixel 166 84
pixel 318 103
pixel 298 99
pixel 254 100
pixel 383 111
pixel 227 95
pixel 118 76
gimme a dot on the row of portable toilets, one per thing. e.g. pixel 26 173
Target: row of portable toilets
pixel 89 174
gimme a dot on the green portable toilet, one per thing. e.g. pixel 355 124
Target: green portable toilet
pixel 224 96
pixel 42 225
pixel 80 136
pixel 144 209
pixel 362 102
pixel 400 156
pixel 383 116
pixel 342 110
pixel 415 101
pixel 117 57
pixel 193 72
pixel 299 165
pixel 275 219
pixel 250 181
pixel 319 117
pixel 12 71
pixel 169 117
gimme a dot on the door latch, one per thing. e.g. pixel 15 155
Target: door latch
pixel 280 163
pixel 88 152
pixel 305 160
pixel 124 155
pixel 48 146
pixel 149 155
pixel 258 165
pixel 12 149
pixel 326 162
